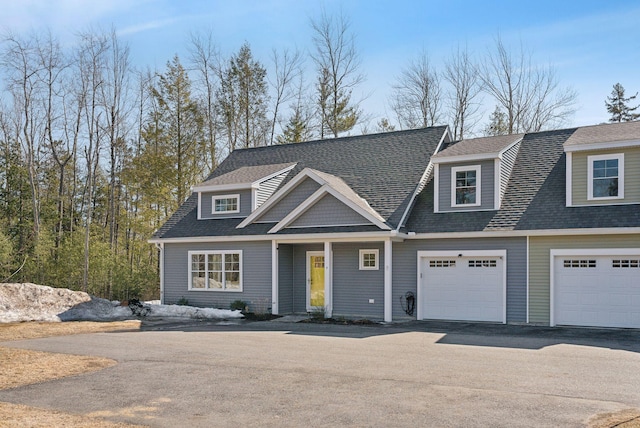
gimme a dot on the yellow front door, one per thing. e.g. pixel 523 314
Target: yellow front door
pixel 316 280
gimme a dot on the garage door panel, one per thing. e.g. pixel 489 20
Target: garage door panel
pixel 595 290
pixel 467 288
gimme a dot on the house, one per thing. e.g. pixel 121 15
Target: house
pixel 540 228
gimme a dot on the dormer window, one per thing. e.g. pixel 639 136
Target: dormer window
pixel 226 204
pixel 465 186
pixel 606 176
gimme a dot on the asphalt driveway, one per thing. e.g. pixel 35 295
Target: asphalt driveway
pixel 265 374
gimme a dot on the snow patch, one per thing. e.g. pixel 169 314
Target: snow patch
pixel 32 302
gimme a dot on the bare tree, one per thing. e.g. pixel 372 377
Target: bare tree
pixel 462 74
pixel 528 94
pixel 287 67
pixel 205 59
pixel 337 63
pixel 417 96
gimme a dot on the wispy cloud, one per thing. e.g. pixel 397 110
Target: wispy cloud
pixel 145 26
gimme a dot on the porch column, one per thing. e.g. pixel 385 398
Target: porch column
pixel 388 261
pixel 328 280
pixel 274 277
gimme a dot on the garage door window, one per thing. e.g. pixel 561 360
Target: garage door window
pixel 483 263
pixel 579 263
pixel 442 263
pixel 625 263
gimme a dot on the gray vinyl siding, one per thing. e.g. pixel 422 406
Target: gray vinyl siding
pixel 268 187
pixel 206 199
pixel 486 187
pixel 285 278
pixel 256 275
pixel 506 166
pixel 580 174
pixel 405 259
pixel 352 287
pixel 294 198
pixel 329 211
pixel 540 265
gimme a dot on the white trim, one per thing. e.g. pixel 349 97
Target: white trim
pixel 308 279
pixel 436 188
pixel 199 206
pixel 206 253
pixel 590 160
pixel 274 278
pixel 553 253
pixel 569 178
pixel 214 198
pixel 467 158
pixel 465 253
pixel 328 280
pixel 478 170
pixel 527 281
pixel 254 199
pixel 315 197
pixel 388 280
pixel 517 233
pixel 160 247
pixel 601 145
pixel 328 225
pixel 361 254
pixel 289 239
pixel 496 183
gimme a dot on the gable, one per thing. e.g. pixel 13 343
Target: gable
pixel 289 202
pixel 329 211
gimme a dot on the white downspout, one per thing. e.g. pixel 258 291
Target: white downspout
pixel 160 247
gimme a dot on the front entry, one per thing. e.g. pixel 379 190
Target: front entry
pixel 315 280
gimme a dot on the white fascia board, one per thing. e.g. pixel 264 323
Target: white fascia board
pixel 497 194
pixel 436 188
pixel 522 233
pixel 223 187
pixel 463 253
pixel 467 158
pixel 277 197
pixel 267 177
pixel 595 252
pixel 501 152
pixel 602 146
pixel 287 239
pixel 569 179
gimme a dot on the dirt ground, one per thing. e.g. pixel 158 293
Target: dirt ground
pixel 23 367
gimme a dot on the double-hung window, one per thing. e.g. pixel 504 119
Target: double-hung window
pixel 226 204
pixel 605 176
pixel 215 270
pixel 465 186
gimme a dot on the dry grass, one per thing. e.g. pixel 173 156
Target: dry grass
pixel 24 367
pixel 628 418
pixel 34 330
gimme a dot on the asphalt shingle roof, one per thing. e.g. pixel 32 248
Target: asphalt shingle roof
pixel 383 169
pixel 479 146
pixel 606 133
pixel 246 174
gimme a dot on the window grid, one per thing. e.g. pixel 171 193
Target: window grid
pixel 605 178
pixel 483 263
pixel 226 204
pixel 442 263
pixel 579 263
pixel 465 187
pixel 215 271
pixel 369 259
pixel 625 263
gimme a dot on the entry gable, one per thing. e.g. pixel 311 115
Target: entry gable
pixel 342 196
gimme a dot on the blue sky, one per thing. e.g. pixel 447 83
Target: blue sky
pixel 591 44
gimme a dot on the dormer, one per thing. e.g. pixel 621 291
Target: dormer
pixel 240 192
pixel 603 165
pixel 472 175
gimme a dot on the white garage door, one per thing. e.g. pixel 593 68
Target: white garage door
pixel 462 288
pixel 599 291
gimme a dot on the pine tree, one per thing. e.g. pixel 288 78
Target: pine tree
pixel 617 105
pixel 498 123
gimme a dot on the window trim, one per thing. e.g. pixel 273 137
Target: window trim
pixel 363 252
pixel 215 198
pixel 206 253
pixel 593 158
pixel 456 169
